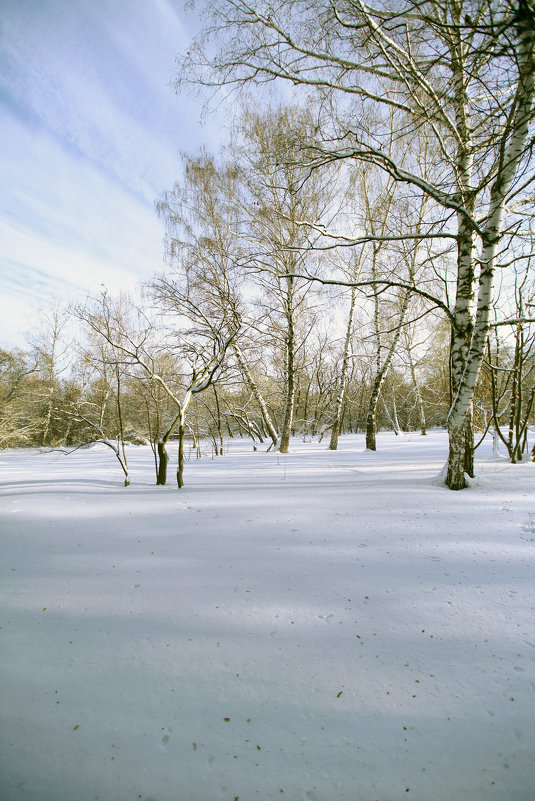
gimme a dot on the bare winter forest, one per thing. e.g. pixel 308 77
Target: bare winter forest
pixel 358 259
pixel 343 329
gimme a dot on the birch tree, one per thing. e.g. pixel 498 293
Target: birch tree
pixel 275 202
pixel 510 369
pixel 461 71
pixel 202 214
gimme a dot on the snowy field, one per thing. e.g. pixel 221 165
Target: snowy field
pixel 312 627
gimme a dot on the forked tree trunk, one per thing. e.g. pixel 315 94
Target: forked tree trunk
pixel 163 457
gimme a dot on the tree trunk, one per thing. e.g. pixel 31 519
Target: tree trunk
pixel 163 458
pixel 121 427
pixel 337 422
pixel 290 371
pixel 381 371
pixel 256 393
pixel 288 416
pixel 467 373
pixel 371 414
pixel 180 468
pixel 469 443
pixel 218 450
pixel 456 458
pixel 394 422
pixel 419 401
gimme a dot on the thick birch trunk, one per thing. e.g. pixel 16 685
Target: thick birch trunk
pixel 459 428
pixel 463 312
pixel 512 153
pixel 460 459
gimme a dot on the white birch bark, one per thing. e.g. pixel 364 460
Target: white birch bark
pixel 513 145
pixel 357 50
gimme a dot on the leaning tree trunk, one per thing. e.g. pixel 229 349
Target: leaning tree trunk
pixel 121 428
pixel 253 386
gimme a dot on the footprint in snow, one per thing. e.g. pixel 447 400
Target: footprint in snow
pixel 164 740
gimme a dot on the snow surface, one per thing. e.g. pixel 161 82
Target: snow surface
pixel 321 626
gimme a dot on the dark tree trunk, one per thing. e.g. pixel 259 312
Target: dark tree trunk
pixel 180 469
pixel 163 458
pixel 371 415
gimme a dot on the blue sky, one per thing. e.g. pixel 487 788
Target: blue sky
pixel 90 136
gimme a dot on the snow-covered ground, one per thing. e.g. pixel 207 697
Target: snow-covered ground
pixel 313 627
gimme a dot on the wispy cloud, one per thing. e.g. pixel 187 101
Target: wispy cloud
pixel 90 132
